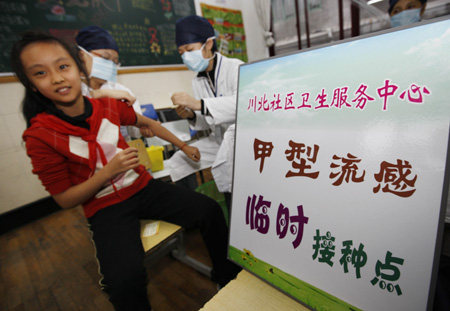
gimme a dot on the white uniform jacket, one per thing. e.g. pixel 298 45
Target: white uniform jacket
pixel 221 105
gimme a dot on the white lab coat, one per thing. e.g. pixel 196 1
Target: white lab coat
pixel 222 109
pixel 222 169
pixel 131 131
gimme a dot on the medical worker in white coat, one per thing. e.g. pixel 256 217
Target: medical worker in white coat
pixel 213 105
pixel 100 55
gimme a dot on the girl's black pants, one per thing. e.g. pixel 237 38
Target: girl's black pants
pixel 116 236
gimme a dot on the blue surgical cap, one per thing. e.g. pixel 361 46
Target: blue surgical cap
pixel 392 3
pixel 192 29
pixel 96 38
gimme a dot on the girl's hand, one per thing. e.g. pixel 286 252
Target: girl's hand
pixel 186 100
pixel 184 112
pixel 123 161
pixel 192 152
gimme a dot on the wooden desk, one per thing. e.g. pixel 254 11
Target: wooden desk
pixel 166 232
pixel 249 293
pixel 169 239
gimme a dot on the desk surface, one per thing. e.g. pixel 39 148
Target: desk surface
pixel 166 231
pixel 249 293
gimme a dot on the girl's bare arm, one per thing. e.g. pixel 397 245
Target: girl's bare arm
pixel 157 129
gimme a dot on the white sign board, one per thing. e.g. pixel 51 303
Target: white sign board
pixel 339 169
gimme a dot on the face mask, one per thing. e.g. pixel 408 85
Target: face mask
pixel 406 17
pixel 102 68
pixel 194 59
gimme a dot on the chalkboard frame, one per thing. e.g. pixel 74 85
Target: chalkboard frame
pixel 9 77
pixel 144 30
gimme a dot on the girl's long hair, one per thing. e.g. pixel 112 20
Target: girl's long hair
pixel 34 102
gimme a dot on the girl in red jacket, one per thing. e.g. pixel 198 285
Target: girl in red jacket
pixel 78 153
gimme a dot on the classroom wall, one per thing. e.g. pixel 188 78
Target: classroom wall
pixel 18 186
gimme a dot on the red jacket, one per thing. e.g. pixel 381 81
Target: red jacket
pixel 64 155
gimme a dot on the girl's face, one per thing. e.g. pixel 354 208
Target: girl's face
pixel 54 73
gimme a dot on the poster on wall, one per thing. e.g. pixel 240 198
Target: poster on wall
pixel 229 28
pixel 340 167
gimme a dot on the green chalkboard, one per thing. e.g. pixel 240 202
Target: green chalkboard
pixel 144 29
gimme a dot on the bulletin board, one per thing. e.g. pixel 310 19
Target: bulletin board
pixel 228 25
pixel 340 176
pixel 143 29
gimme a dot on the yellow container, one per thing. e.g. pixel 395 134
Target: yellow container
pixel 155 154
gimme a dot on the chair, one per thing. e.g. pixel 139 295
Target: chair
pixel 169 239
pixel 149 111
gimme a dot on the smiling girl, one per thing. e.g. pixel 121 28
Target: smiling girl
pixel 78 153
